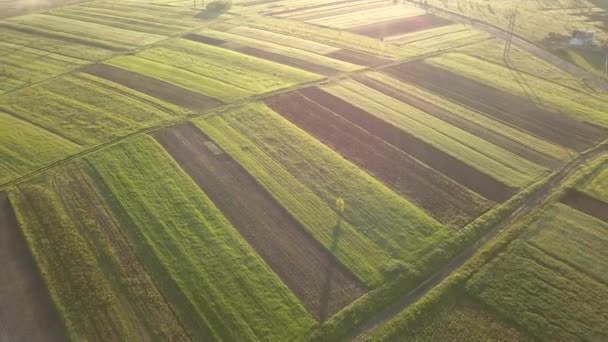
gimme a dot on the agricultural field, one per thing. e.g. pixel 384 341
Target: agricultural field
pixel 293 170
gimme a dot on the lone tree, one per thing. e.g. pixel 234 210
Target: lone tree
pixel 219 5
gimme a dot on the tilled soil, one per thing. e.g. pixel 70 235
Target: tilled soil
pixel 358 58
pixel 26 310
pixel 154 87
pixel 270 56
pixel 495 138
pixel 315 276
pixel 455 169
pixel 586 204
pixel 401 26
pixel 444 199
pixel 501 105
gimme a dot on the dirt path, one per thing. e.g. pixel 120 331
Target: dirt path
pixel 534 200
pixel 525 45
pixel 26 310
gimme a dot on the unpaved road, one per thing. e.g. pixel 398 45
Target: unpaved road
pixel 525 45
pixel 534 200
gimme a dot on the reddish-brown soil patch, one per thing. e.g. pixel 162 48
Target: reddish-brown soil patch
pixel 26 310
pixel 586 204
pixel 401 26
pixel 314 275
pixel 154 87
pixel 497 139
pixel 357 58
pixel 270 56
pixel 455 169
pixel 52 35
pixel 552 126
pixel 445 200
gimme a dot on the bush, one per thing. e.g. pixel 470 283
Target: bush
pixel 219 5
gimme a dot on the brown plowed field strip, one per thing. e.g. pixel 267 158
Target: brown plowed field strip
pixel 458 171
pixel 586 204
pixel 154 87
pixel 401 26
pixel 501 105
pixel 314 275
pixel 502 141
pixel 52 35
pixel 445 200
pixel 358 58
pixel 26 310
pixel 270 56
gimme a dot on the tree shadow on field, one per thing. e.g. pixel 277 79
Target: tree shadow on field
pixel 208 15
pixel 329 273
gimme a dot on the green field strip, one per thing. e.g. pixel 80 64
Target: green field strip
pixel 83 111
pixel 193 251
pixel 547 298
pixel 477 153
pixel 82 295
pixel 574 103
pixel 373 16
pixel 7 83
pixel 434 32
pixel 450 41
pixel 136 18
pixel 315 58
pixel 598 185
pixel 284 40
pixel 574 238
pixel 542 146
pixel 93 31
pixel 351 6
pixel 252 74
pixel 331 37
pixel 319 175
pixel 25 147
pixel 55 46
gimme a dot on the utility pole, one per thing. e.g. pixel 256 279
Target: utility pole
pixel 510 30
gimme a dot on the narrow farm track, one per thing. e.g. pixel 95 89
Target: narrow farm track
pixel 534 200
pixel 524 45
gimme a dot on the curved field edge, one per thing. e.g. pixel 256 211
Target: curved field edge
pixel 221 288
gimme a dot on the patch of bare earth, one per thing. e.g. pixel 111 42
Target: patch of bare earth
pixel 154 87
pixel 444 199
pixel 26 310
pixel 586 204
pixel 495 138
pixel 313 274
pixel 401 26
pixel 501 105
pixel 358 58
pixel 444 163
pixel 269 56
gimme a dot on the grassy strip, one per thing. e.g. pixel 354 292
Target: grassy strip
pixel 330 37
pixel 597 186
pixel 520 136
pixel 24 147
pixel 284 40
pixel 427 34
pixel 564 99
pixel 282 50
pixel 84 112
pixel 498 163
pixel 196 256
pixel 121 23
pixel 371 16
pixel 360 255
pixel 411 317
pixel 82 294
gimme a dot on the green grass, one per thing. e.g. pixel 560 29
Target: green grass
pixel 306 177
pixel 478 153
pixel 193 252
pixel 576 239
pixel 220 73
pixel 283 40
pixel 575 102
pixel 25 147
pixel 82 295
pixel 22 66
pixel 517 135
pixel 293 52
pixel 369 16
pixel 327 36
pixel 93 32
pixel 546 297
pixel 597 186
pixel 87 110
